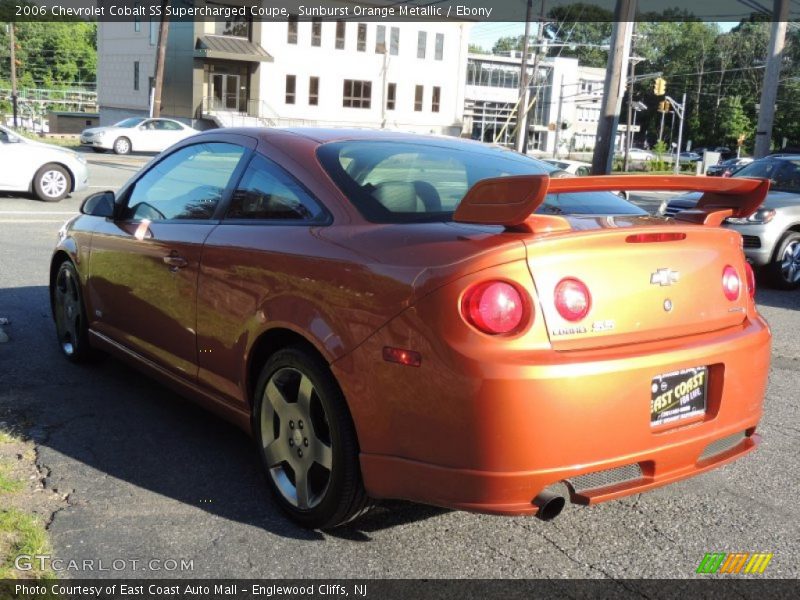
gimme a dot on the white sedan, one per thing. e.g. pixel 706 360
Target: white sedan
pixel 49 171
pixel 136 133
pixel 574 167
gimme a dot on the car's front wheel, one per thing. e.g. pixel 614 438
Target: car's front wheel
pixel 72 327
pixel 307 441
pixel 122 145
pixel 785 269
pixel 51 183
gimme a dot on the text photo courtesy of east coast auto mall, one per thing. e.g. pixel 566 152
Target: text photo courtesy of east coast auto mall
pixel 399 299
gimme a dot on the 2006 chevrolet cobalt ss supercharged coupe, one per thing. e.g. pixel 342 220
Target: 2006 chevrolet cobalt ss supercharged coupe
pixel 397 316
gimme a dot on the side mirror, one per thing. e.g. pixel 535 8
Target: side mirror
pixel 100 204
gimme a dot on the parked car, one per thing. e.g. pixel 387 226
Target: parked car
pixel 401 316
pixel 690 157
pixel 136 134
pixel 637 154
pixel 573 167
pixel 726 168
pixel 771 235
pixel 50 172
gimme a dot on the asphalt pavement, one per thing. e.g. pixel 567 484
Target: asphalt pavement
pixel 151 477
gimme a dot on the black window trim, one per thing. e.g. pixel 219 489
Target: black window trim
pixel 324 220
pixel 247 143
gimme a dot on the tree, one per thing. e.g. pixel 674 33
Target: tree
pixel 476 49
pixel 581 24
pixel 733 121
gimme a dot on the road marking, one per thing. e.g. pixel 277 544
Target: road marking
pixel 31 220
pixel 38 212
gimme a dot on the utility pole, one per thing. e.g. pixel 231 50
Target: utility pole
pixel 558 117
pixel 161 53
pixel 535 76
pixel 769 89
pixel 522 135
pixel 628 132
pixel 13 47
pixel 680 109
pixel 624 14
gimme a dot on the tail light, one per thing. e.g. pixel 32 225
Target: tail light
pixel 496 308
pixel 573 299
pixel 751 279
pixel 731 283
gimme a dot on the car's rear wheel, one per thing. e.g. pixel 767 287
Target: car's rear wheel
pixel 122 145
pixel 72 327
pixel 307 441
pixel 784 270
pixel 52 183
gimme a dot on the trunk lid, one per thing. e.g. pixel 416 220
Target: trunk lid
pixel 641 290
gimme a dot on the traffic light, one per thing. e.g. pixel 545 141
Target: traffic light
pixel 663 106
pixel 660 86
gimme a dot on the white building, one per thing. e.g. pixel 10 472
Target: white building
pixel 492 93
pixel 404 76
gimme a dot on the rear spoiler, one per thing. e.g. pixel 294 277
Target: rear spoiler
pixel 511 201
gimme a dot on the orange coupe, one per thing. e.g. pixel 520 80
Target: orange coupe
pixel 399 316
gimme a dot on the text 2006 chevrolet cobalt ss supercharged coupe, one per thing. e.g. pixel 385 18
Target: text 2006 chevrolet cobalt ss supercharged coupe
pixel 396 316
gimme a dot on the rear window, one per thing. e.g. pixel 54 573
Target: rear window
pixel 783 174
pixel 407 182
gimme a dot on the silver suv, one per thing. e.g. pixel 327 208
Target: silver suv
pixel 772 235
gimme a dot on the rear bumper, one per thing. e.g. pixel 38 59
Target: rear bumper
pixel 488 432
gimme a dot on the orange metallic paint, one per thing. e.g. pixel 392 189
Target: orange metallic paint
pixel 484 422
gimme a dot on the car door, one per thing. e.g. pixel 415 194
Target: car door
pixel 18 162
pixel 172 132
pixel 256 255
pixel 143 266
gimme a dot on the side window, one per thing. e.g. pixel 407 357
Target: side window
pixel 188 184
pixel 167 126
pixel 267 192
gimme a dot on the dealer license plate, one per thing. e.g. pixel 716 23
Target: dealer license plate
pixel 678 395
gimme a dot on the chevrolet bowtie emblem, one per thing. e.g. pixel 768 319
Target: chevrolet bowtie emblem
pixel 664 277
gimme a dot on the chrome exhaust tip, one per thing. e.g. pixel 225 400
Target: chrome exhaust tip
pixel 549 505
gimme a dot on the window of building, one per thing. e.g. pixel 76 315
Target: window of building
pixel 357 94
pixel 267 192
pixel 313 91
pixel 154 25
pixel 316 32
pixel 418 93
pixel 291 89
pixel 394 43
pixel 136 75
pixel 362 37
pixel 436 98
pixel 291 36
pixel 188 184
pixel 439 46
pixel 391 96
pixel 137 21
pixel 238 26
pixel 341 31
pixel 380 39
pixel 422 42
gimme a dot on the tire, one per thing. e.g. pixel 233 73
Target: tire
pixel 316 436
pixel 98 150
pixel 69 313
pixel 122 145
pixel 52 183
pixel 784 270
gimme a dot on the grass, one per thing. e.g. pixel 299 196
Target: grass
pixel 20 533
pixel 7 483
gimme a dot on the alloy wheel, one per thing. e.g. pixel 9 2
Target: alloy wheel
pixel 68 311
pixel 296 438
pixel 790 262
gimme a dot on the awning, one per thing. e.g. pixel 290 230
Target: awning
pixel 230 48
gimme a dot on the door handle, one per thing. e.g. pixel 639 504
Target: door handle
pixel 175 262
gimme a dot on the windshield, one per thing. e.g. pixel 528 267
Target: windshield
pixel 784 175
pixel 409 182
pixel 128 123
